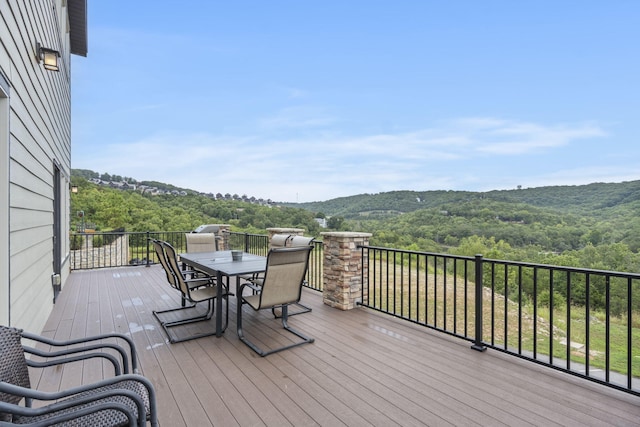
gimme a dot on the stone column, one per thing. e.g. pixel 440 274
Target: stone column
pixel 343 268
pixel 223 232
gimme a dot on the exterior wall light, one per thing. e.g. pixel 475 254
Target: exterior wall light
pixel 74 188
pixel 49 57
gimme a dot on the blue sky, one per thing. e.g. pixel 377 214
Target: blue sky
pixel 312 100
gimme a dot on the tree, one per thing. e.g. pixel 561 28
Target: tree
pixel 335 222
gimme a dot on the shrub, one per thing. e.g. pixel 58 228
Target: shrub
pixel 544 300
pixel 98 241
pixel 76 242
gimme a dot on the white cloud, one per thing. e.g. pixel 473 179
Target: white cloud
pixel 503 137
pixel 588 175
pixel 296 117
pixel 296 93
pixel 450 156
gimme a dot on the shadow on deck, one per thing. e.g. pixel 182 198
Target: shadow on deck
pixel 364 368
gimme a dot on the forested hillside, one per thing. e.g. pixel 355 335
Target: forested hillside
pixel 593 226
pixel 556 219
pixel 588 200
pixel 110 208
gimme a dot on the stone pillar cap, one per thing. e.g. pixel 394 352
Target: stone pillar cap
pixel 345 234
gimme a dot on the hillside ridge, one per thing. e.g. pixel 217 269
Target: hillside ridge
pixel 579 199
pixel 597 199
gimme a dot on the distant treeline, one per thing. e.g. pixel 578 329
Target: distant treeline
pixel 592 226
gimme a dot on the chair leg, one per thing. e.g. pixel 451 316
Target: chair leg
pixel 167 325
pixel 285 324
pixel 305 339
pixel 240 332
pixel 171 310
pixel 304 309
pixel 204 317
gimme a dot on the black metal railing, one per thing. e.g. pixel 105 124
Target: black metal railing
pixel 580 321
pixel 259 244
pixel 121 249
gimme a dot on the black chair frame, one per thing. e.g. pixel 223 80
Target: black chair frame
pixel 124 399
pixel 192 294
pixel 259 291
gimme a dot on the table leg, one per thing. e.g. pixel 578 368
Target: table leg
pixel 219 305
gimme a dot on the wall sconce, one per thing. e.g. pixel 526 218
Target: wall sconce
pixel 49 57
pixel 74 188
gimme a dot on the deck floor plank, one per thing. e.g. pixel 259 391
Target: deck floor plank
pixel 364 369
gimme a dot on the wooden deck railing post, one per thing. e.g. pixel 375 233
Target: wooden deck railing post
pixel 343 268
pixel 478 345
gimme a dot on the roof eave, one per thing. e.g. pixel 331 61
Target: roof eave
pixel 78 26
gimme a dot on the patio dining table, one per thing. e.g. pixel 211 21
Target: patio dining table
pixel 221 264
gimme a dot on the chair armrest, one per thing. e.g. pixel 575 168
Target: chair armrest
pixel 31 394
pixel 205 280
pixel 190 271
pixel 197 275
pixel 255 283
pixel 251 285
pixel 64 417
pixel 62 360
pixel 118 348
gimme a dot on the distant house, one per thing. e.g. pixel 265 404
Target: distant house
pixel 322 222
pixel 128 186
pixel 38 39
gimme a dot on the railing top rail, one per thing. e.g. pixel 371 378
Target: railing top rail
pixel 516 263
pixel 247 234
pixel 566 268
pixel 130 232
pixel 470 258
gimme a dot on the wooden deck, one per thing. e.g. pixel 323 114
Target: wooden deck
pixel 364 368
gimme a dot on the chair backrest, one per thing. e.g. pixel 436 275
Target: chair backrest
pixel 279 240
pixel 201 242
pixel 289 241
pixel 284 275
pixel 158 246
pixel 13 365
pixel 296 241
pixel 172 261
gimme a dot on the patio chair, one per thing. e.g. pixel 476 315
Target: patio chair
pixel 294 242
pixel 202 242
pixel 192 294
pixel 276 241
pixel 281 286
pixel 193 281
pixel 283 240
pixel 279 240
pixel 124 399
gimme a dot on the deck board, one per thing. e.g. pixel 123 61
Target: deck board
pixel 365 368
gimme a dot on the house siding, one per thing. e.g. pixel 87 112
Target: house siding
pixel 39 137
pixel 4 200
